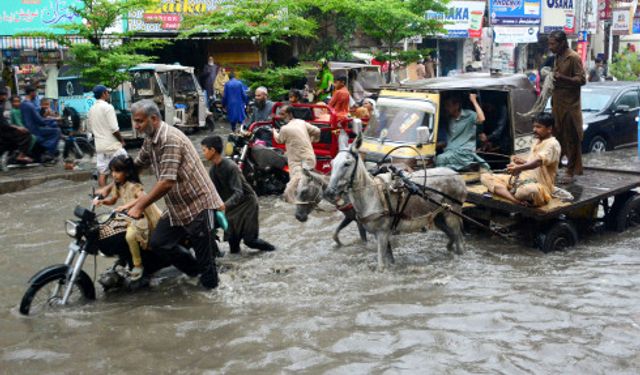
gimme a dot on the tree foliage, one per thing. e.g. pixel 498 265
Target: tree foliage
pixel 277 80
pixel 265 22
pixel 107 54
pixel 394 20
pixel 410 56
pixel 626 66
pixel 336 28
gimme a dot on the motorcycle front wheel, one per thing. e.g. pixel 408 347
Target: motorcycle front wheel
pixel 45 294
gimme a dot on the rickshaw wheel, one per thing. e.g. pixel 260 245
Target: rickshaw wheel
pixel 628 216
pixel 560 236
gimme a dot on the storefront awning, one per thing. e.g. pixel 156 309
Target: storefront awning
pixel 26 42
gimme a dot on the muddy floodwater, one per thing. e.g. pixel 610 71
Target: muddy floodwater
pixel 310 307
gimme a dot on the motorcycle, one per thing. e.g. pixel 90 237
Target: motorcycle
pixel 264 167
pixel 68 284
pixel 75 141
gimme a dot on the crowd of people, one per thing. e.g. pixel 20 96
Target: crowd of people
pixel 195 198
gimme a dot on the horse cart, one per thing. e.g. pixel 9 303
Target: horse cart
pixel 411 122
pixel 603 199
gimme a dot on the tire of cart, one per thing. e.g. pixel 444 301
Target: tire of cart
pixel 559 236
pixel 626 214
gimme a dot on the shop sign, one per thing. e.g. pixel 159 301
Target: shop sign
pixel 592 16
pixel 558 15
pixel 166 15
pixel 462 20
pixel 503 57
pixel 20 16
pixel 604 10
pixel 622 17
pixel 516 34
pixel 514 12
pixel 582 50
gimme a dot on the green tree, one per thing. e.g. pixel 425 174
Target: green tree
pixel 107 54
pixel 265 22
pixel 277 80
pixel 394 20
pixel 626 66
pixel 336 26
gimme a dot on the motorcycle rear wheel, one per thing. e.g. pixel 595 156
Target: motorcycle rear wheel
pixel 45 296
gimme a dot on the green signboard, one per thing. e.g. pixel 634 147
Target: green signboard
pixel 18 16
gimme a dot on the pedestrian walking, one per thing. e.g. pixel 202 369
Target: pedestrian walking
pixel 234 100
pixel 103 124
pixel 240 201
pixel 297 135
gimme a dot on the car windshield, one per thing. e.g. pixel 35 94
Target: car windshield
pixel 399 119
pixel 594 100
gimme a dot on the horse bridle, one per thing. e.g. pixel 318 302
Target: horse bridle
pixel 312 201
pixel 355 167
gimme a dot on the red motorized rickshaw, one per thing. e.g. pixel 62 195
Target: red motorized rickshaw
pixel 262 159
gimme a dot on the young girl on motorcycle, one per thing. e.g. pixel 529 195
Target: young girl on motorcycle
pixel 129 188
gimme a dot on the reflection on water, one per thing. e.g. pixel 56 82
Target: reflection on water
pixel 311 307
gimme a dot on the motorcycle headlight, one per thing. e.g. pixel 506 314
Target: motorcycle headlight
pixel 71 228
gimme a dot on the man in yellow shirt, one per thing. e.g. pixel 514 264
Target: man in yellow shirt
pixel 531 181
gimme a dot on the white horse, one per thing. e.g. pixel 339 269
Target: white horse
pixel 309 193
pixel 379 206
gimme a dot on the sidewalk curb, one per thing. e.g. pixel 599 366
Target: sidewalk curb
pixel 21 183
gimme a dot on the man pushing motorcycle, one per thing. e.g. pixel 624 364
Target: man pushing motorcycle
pixel 190 196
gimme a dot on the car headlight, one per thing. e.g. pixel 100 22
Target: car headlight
pixel 71 228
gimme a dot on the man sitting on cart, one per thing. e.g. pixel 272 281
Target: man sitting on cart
pixel 530 182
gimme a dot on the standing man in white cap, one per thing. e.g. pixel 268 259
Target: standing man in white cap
pixel 103 123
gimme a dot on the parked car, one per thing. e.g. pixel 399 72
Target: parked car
pixel 609 112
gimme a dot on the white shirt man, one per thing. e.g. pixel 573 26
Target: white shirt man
pixel 103 123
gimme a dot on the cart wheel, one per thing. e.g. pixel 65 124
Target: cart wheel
pixel 611 219
pixel 560 235
pixel 628 216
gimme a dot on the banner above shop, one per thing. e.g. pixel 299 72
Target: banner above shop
pixel 515 34
pixel 558 15
pixel 622 18
pixel 514 12
pixel 20 16
pixel 463 19
pixel 166 15
pixel 604 9
pixel 592 16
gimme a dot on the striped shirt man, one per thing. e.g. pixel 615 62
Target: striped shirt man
pixel 171 156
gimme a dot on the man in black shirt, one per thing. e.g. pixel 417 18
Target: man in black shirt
pixel 240 201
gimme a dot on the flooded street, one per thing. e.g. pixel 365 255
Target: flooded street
pixel 310 307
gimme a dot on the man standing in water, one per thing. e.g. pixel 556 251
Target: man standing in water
pixel 188 191
pixel 569 75
pixel 240 201
pixel 297 135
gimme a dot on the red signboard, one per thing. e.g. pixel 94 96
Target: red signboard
pixel 604 9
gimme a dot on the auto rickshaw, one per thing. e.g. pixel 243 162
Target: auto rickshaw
pixel 174 88
pixel 411 114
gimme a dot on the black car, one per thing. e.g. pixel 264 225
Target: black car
pixel 609 111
